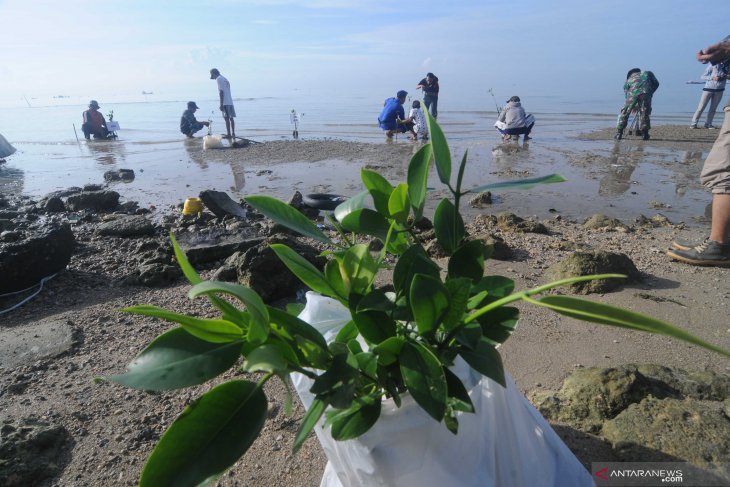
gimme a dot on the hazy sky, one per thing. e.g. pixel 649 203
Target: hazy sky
pixel 270 47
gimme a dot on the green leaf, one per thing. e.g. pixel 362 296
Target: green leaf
pixel 399 203
pixel 347 207
pixel 306 341
pixel 429 301
pixel 388 350
pixel 458 290
pixel 259 324
pixel 609 315
pixel 374 326
pixel 458 393
pixel 375 301
pixel 309 421
pixel 347 332
pixel 526 183
pixel 486 360
pixel 304 270
pixel 497 287
pixel 469 335
pixel 359 268
pixel 177 359
pixel 499 324
pixel 209 436
pixel 441 153
pixel 379 189
pixel 214 331
pixel 468 261
pixel 366 221
pixel 448 225
pixel 424 377
pixel 334 278
pixel 352 422
pixel 286 215
pixel 266 358
pixel 368 362
pixel 413 261
pixel 462 167
pixel 294 309
pixel 418 179
pixel 337 383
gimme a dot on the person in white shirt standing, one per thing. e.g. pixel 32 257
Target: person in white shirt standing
pixel 224 91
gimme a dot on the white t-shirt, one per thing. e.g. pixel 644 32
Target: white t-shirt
pixel 225 87
pixel 419 119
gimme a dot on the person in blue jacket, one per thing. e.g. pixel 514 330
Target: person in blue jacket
pixel 392 115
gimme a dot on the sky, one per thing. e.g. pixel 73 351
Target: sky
pixel 349 47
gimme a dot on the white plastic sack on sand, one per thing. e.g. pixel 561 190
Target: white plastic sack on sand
pixel 212 142
pixel 505 443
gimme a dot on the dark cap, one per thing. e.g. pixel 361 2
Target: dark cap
pixel 401 94
pixel 191 104
pixel 94 104
pixel 514 98
pixel 213 73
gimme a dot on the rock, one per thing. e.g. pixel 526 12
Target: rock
pixel 127 226
pixel 596 262
pixel 501 251
pixel 93 200
pixel 297 201
pixel 260 269
pixel 509 222
pixel 481 200
pixel 10 236
pixel 124 175
pixel 158 274
pixel 45 252
pixel 599 221
pixel 655 221
pixel 211 244
pixel 221 204
pixel 685 429
pixel 434 249
pixel 31 452
pixel 48 337
pixel 54 204
pixel 590 396
pixel 93 187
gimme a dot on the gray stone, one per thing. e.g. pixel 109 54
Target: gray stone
pixel 93 200
pixel 124 175
pixel 48 337
pixel 25 263
pixel 481 200
pixel 509 222
pixel 261 269
pixel 596 262
pixel 221 204
pixel 158 274
pixel 32 452
pixel 599 221
pixel 501 251
pixel 127 226
pixel 10 236
pixel 54 204
pixel 211 244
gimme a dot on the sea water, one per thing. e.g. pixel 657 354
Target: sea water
pixel 52 153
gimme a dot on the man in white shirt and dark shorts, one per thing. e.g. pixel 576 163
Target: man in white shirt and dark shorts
pixel 224 91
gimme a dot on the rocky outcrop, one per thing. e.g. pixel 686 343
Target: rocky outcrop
pixel 591 263
pixel 44 252
pixel 126 226
pixel 599 222
pixel 209 244
pixel 93 200
pixel 123 175
pixel 221 204
pixel 509 222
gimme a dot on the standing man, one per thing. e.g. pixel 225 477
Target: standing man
pixel 715 251
pixel 224 91
pixel 430 87
pixel 188 123
pixel 392 115
pixel 639 90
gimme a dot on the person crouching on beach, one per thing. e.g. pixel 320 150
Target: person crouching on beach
pixel 392 115
pixel 513 121
pixel 416 122
pixel 94 122
pixel 188 123
pixel 639 90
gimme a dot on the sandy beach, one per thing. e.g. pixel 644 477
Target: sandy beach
pixel 113 429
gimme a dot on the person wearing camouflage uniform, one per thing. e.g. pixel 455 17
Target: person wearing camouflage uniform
pixel 639 89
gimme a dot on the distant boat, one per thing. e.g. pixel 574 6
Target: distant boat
pixel 692 82
pixel 148 93
pixel 61 96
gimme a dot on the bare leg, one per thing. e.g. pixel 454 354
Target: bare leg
pixel 233 128
pixel 228 126
pixel 720 231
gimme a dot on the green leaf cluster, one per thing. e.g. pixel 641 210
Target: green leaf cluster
pixel 403 338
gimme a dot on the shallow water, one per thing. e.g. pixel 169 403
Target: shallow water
pixel 621 179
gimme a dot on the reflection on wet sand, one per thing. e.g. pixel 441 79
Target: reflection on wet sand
pixel 194 148
pixel 621 165
pixel 107 152
pixel 687 171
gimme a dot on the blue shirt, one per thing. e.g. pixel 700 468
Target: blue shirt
pixel 393 109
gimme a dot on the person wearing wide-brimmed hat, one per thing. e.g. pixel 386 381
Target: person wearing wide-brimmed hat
pixel 188 123
pixel 94 122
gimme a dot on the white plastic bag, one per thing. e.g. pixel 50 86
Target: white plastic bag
pixel 212 142
pixel 506 442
